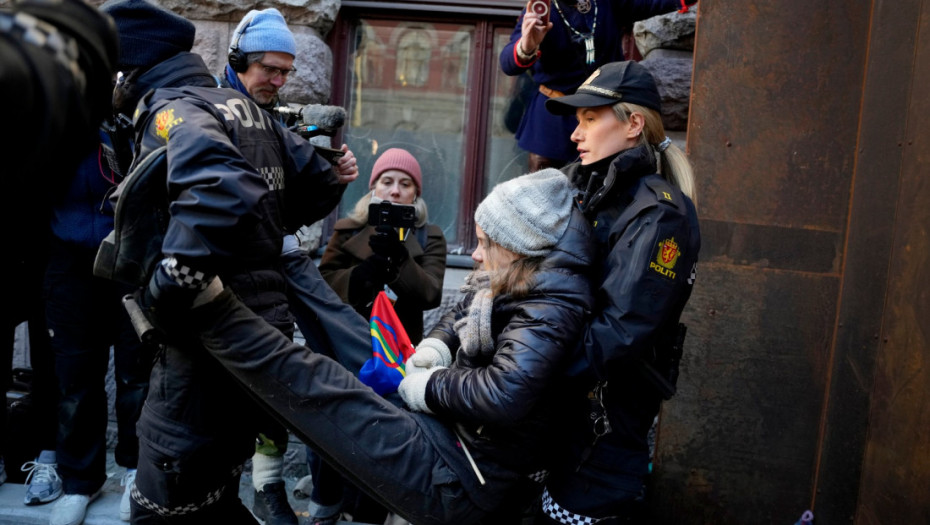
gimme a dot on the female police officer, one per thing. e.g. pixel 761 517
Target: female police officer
pixel 637 190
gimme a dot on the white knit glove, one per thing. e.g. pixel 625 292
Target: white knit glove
pixel 412 389
pixel 431 352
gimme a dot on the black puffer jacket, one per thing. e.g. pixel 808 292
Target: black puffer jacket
pixel 509 409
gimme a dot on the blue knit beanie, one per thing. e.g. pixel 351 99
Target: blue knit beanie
pixel 261 31
pixel 148 34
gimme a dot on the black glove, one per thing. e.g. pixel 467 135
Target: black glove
pixel 387 244
pixel 165 303
pixel 368 278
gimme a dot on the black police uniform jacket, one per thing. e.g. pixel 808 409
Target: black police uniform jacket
pixel 236 183
pixel 237 180
pixel 647 240
pixel 509 407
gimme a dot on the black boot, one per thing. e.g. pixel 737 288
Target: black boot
pixel 271 505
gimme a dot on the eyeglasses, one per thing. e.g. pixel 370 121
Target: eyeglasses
pixel 273 72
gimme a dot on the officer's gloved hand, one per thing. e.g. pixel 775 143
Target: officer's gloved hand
pixel 165 302
pixel 387 244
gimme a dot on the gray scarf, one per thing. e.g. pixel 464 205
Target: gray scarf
pixel 474 330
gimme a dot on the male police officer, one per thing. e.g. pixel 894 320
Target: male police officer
pixel 236 183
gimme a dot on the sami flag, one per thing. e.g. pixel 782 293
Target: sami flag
pixel 390 348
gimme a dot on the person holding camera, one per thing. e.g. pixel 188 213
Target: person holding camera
pixel 261 57
pixel 367 254
pixel 361 259
pixel 560 43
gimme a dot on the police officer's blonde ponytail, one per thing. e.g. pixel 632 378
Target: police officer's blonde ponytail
pixel 673 164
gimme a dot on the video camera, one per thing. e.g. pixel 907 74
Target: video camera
pixel 386 213
pixel 316 120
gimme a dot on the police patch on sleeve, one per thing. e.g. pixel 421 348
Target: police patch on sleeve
pixel 164 121
pixel 666 258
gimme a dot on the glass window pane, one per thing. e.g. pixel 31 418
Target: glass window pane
pixel 509 96
pixel 407 88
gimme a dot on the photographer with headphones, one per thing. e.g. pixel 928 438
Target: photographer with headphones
pixel 261 56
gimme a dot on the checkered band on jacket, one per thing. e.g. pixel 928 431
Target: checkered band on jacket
pixel 563 515
pixel 185 276
pixel 189 508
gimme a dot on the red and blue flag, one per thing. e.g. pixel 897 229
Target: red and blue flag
pixel 390 347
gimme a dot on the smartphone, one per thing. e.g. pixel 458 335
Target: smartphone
pixel 386 213
pixel 332 155
pixel 541 8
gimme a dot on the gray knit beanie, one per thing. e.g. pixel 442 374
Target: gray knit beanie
pixel 528 214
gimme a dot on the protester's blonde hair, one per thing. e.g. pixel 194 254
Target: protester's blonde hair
pixel 673 164
pixel 518 278
pixel 359 213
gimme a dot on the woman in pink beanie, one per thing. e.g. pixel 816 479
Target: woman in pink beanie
pixel 361 260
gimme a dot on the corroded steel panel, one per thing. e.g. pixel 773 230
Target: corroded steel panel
pixel 774 111
pixel 896 468
pixel 737 443
pixel 773 135
pixel 889 95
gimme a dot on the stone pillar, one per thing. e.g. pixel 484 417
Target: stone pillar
pixel 667 45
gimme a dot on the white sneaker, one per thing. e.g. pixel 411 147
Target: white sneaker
pixel 42 484
pixel 125 508
pixel 70 509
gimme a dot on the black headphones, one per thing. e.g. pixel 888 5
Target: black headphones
pixel 237 59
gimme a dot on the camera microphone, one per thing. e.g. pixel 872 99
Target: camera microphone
pixel 326 118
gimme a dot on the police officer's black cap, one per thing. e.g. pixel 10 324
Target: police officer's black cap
pixel 615 82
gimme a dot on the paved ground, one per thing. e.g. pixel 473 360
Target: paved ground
pixel 105 509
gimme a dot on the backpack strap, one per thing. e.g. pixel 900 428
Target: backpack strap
pixel 131 250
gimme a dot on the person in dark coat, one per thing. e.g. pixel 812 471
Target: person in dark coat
pixel 359 260
pixel 581 36
pixel 58 60
pixel 483 391
pixel 637 190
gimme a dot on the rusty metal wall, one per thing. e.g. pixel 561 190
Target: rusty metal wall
pixel 805 382
pixel 895 483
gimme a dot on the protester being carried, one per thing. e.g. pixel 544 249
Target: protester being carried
pixel 486 413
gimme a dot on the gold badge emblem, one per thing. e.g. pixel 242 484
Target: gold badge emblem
pixel 164 121
pixel 592 77
pixel 666 258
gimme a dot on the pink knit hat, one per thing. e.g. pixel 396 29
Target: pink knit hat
pixel 397 159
